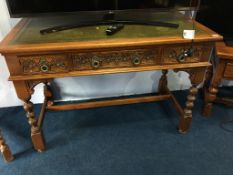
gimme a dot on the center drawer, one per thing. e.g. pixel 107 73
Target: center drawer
pixel 115 59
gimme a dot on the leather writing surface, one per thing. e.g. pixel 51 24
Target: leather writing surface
pixel 30 34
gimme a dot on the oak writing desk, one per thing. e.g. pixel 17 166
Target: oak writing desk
pixel 33 58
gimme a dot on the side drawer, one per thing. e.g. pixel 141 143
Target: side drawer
pixel 44 64
pixel 176 54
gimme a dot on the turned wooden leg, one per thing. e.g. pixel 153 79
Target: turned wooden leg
pixel 212 90
pixel 36 132
pixel 208 77
pixel 207 105
pixel 5 150
pixel 162 88
pixel 210 97
pixel 48 94
pixel 186 118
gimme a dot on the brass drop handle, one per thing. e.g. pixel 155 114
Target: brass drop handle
pixel 136 61
pixel 181 58
pixel 95 63
pixel 185 54
pixel 44 66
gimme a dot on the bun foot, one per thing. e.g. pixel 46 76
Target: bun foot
pixel 182 132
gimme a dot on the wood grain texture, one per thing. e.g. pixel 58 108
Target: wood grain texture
pixel 108 71
pixel 112 102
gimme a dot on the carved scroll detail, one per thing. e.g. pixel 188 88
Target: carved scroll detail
pixel 31 84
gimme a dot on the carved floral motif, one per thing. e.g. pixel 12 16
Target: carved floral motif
pixel 183 54
pixel 82 61
pixel 43 65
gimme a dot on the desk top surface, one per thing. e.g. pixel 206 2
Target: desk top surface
pixel 26 36
pixel 224 51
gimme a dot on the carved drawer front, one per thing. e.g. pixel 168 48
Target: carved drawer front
pixel 229 71
pixel 44 64
pixel 115 59
pixel 186 54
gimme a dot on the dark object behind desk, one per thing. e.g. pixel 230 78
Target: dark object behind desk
pixel 21 8
pixel 218 16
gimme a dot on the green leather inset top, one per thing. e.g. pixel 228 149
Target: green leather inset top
pixel 30 34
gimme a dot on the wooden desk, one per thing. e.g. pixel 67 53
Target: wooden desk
pixel 33 58
pixel 222 69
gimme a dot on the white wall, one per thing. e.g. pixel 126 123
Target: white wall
pixel 115 85
pixel 85 87
pixel 7 92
